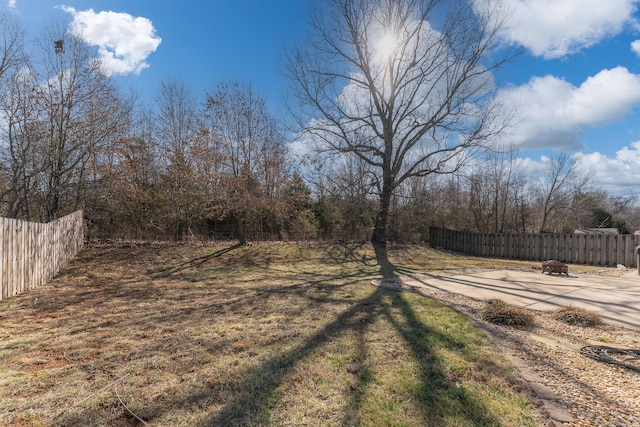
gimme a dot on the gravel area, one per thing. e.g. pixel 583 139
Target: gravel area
pixel 569 389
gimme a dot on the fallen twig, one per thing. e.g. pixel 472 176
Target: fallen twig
pixel 127 408
pixel 90 396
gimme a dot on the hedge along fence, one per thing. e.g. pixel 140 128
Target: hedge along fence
pixel 589 249
pixel 32 253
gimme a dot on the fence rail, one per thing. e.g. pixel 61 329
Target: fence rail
pixel 32 253
pixel 588 249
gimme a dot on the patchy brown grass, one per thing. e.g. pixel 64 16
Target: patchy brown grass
pixel 264 334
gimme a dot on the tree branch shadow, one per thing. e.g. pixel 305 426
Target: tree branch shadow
pixel 256 387
pixel 438 393
pixel 193 263
pixel 249 407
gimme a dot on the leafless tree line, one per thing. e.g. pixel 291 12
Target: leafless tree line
pixel 190 170
pixel 500 193
pixel 58 113
pixel 70 139
pixel 221 168
pixel 504 195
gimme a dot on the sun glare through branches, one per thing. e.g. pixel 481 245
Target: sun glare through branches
pixel 386 46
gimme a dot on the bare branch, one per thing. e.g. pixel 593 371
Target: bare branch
pixel 404 85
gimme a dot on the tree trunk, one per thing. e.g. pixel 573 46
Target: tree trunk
pixel 241 229
pixel 382 217
pixel 52 201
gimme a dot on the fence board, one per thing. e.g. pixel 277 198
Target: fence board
pixel 590 249
pixel 32 253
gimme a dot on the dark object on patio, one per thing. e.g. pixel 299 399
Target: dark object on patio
pixel 553 266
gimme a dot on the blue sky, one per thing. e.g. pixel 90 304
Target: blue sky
pixel 201 42
pixel 577 84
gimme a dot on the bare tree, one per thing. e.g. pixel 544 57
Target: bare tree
pixel 19 155
pixel 16 110
pixel 557 188
pixel 252 153
pixel 480 202
pixel 522 210
pixel 128 202
pixel 12 53
pixel 178 131
pixel 494 188
pixel 80 112
pixel 405 85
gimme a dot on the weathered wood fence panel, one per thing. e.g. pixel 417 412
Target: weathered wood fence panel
pixel 589 249
pixel 32 253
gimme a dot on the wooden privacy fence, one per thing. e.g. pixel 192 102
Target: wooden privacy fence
pixel 590 249
pixel 32 253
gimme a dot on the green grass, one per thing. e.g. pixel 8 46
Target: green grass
pixel 265 334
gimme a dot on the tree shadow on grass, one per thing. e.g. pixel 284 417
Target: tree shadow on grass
pixel 251 406
pixel 438 397
pixel 196 262
pixel 256 387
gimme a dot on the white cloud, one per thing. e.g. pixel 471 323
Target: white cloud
pixel 124 42
pixel 618 176
pixel 635 47
pixel 552 28
pixel 552 112
pixel 11 4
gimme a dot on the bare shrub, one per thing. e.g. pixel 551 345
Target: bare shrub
pixel 499 312
pixel 577 316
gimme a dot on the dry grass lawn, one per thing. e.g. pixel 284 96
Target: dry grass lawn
pixel 264 334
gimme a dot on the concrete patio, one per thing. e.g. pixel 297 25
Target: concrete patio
pixel 616 299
